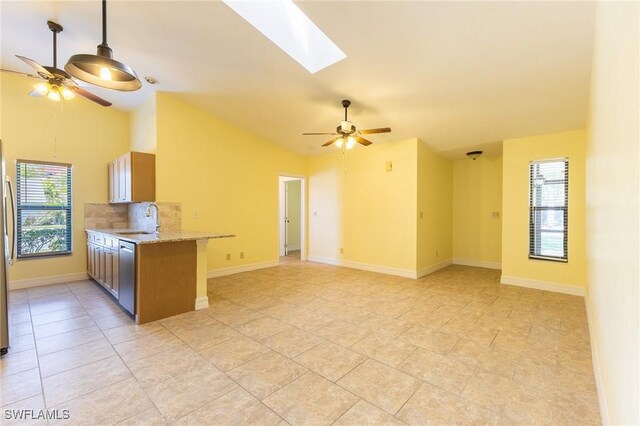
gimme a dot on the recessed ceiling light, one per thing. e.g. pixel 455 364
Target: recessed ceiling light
pixel 282 22
pixel 151 80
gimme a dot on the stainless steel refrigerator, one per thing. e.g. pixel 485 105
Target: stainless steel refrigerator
pixel 6 255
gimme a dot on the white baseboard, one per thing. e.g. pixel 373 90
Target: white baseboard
pixel 595 359
pixel 242 268
pixel 543 285
pixel 477 263
pixel 407 273
pixel 202 302
pixel 433 268
pixel 52 279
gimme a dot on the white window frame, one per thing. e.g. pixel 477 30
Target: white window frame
pixel 536 211
pixel 21 208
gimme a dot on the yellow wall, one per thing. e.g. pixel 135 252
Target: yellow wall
pixel 325 201
pixel 477 194
pixel 143 126
pixel 435 201
pixel 367 211
pixel 78 132
pixel 613 200
pixel 517 153
pixel 225 174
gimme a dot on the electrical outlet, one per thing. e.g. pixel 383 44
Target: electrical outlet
pixel 241 255
pixel 228 256
pixel 341 250
pixel 421 215
pixel 196 214
pixel 495 215
pixel 176 214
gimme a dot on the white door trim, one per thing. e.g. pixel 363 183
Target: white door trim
pixel 283 177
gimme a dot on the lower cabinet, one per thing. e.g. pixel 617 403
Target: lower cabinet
pixel 103 262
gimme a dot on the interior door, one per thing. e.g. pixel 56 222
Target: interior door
pixel 286 218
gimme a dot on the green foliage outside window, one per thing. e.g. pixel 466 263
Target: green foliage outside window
pixel 44 208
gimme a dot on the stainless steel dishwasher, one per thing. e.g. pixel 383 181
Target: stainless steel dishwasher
pixel 127 275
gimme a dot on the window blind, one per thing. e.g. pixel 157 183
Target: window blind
pixel 548 209
pixel 43 193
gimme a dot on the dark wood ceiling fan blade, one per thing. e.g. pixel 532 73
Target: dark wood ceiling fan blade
pixel 331 142
pixel 312 134
pixel 363 141
pixel 42 71
pixel 372 131
pixel 86 94
pixel 21 73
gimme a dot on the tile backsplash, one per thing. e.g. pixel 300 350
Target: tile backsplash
pixel 118 216
pixel 102 216
pixel 170 217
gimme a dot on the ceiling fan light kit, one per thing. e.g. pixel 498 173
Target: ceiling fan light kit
pixel 101 69
pixel 56 84
pixel 54 92
pixel 347 134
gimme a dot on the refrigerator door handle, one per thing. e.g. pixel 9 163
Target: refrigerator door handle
pixel 13 221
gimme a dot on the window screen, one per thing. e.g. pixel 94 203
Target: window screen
pixel 43 208
pixel 548 197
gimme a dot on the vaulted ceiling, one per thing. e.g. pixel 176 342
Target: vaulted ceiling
pixel 458 75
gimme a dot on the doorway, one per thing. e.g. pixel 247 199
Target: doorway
pixel 291 218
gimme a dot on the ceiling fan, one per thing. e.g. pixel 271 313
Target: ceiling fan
pixel 55 83
pixel 347 134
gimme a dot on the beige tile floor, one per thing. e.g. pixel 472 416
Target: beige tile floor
pixel 308 344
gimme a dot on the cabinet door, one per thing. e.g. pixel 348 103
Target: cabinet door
pixel 110 179
pixel 101 264
pixel 124 172
pixel 108 268
pixel 95 270
pixel 90 259
pixel 115 278
pixel 128 177
pixel 115 180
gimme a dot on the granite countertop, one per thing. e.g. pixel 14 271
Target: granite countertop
pixel 143 237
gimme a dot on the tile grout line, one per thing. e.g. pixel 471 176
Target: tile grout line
pixel 222 372
pixel 227 376
pixel 35 345
pixel 124 363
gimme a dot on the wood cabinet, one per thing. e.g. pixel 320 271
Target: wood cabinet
pixel 132 178
pixel 102 261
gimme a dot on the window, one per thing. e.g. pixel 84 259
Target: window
pixel 548 196
pixel 43 208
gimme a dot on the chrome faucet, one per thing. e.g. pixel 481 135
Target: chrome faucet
pixel 148 214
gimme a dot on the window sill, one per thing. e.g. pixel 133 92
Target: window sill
pixel 43 255
pixel 551 259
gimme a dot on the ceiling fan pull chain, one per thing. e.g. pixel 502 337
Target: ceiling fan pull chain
pixel 344 158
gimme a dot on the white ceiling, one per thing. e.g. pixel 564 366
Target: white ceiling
pixel 458 75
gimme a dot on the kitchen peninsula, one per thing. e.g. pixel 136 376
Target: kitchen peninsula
pixel 153 275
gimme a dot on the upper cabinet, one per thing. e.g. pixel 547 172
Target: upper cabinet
pixel 132 178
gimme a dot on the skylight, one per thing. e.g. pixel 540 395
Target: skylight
pixel 282 22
